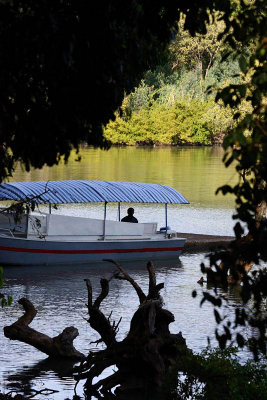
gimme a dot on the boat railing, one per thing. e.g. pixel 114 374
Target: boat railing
pixel 3 230
pixel 12 233
pixel 9 225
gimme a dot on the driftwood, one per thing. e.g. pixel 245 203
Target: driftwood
pixel 144 358
pixel 58 346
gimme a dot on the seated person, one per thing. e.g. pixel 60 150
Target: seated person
pixel 130 217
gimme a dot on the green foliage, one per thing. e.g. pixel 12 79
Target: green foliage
pixel 217 374
pixel 188 121
pixel 173 105
pixel 70 64
pixel 197 52
pixel 246 146
pixel 140 98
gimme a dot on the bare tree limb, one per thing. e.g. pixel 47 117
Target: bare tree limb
pixel 104 292
pixel 97 319
pixel 59 346
pixel 127 277
pixel 154 294
pixel 89 292
pixel 152 277
pixel 30 312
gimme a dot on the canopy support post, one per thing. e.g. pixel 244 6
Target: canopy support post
pixel 27 223
pixel 119 210
pixel 166 219
pixel 50 208
pixel 104 223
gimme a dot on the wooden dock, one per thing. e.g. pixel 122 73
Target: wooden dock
pixel 197 242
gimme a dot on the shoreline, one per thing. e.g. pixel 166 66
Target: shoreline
pixel 196 242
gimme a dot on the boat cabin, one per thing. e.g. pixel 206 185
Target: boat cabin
pixel 51 226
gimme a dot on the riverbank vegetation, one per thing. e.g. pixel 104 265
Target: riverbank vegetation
pixel 217 374
pixel 175 102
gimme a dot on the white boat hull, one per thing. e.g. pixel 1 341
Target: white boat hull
pixel 21 251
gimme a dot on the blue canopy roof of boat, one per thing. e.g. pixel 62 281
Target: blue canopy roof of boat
pixel 81 191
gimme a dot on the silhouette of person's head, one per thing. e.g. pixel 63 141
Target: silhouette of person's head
pixel 130 217
pixel 130 211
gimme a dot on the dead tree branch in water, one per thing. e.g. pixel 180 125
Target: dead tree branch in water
pixel 97 319
pixel 125 276
pixel 58 346
pixel 144 357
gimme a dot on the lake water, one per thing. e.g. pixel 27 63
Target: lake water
pixel 59 293
pixel 195 172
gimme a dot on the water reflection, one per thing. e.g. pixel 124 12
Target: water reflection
pixel 196 172
pixel 59 294
pixel 27 377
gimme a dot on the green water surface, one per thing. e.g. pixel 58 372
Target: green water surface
pixel 194 171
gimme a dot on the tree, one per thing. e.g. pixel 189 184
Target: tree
pixel 199 51
pixel 246 145
pixel 244 22
pixel 64 67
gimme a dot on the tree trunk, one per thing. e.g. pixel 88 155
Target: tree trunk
pixel 143 359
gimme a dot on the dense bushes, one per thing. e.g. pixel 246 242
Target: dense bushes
pixel 218 374
pixel 188 121
pixel 173 104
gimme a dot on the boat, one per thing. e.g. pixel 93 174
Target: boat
pixel 48 238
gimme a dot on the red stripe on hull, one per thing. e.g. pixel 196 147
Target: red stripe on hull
pixel 144 250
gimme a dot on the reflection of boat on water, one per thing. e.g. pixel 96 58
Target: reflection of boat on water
pixel 47 238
